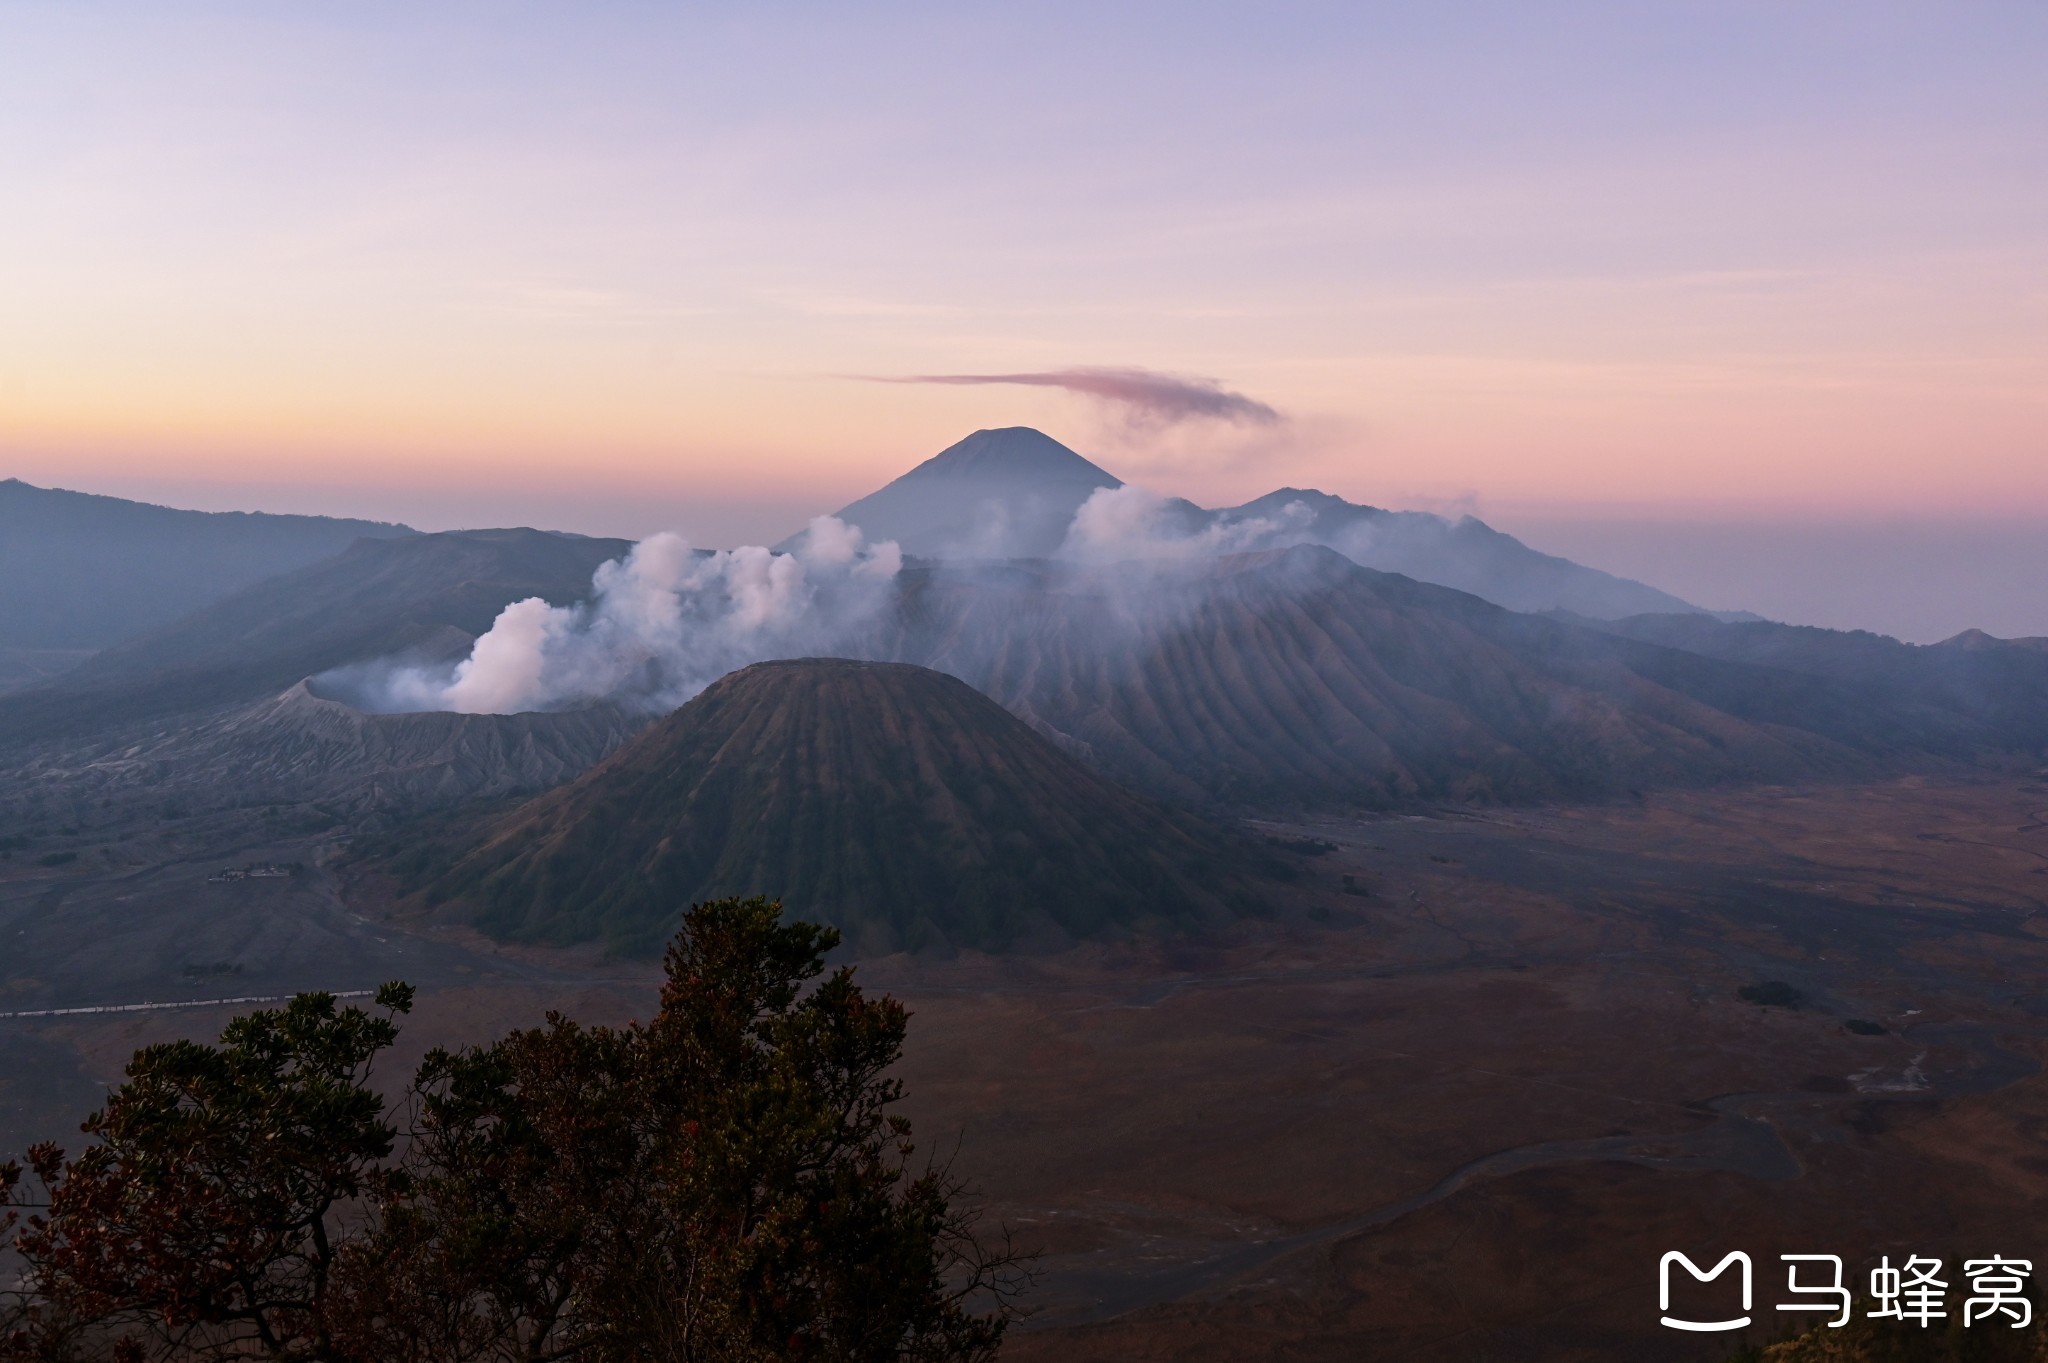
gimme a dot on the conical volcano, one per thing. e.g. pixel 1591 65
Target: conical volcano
pixel 894 802
pixel 1012 453
pixel 1005 493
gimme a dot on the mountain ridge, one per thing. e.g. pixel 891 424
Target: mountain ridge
pixel 300 748
pixel 1465 553
pixel 375 599
pixel 1297 678
pixel 82 570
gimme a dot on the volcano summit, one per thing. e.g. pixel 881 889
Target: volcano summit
pixel 898 804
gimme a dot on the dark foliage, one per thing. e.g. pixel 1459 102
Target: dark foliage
pixel 208 1218
pixel 726 1182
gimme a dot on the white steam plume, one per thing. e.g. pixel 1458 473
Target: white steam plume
pixel 662 624
pixel 1130 522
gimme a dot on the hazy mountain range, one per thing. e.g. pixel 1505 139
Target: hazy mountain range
pixel 1015 493
pixel 1160 665
pixel 419 594
pixel 79 571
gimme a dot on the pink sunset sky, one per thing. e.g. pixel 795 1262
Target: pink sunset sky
pixel 1749 300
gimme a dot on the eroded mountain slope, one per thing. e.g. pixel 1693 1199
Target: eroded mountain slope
pixel 891 801
pixel 1297 677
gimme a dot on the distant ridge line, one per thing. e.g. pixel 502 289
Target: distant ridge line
pixel 189 1003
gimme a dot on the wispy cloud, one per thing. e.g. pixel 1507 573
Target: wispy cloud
pixel 1144 393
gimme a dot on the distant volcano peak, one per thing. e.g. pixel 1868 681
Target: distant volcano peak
pixel 1013 453
pixel 1010 492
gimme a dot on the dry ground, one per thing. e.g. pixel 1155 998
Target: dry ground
pixel 1457 1117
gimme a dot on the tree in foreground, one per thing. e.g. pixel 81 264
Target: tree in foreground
pixel 209 1217
pixel 725 1182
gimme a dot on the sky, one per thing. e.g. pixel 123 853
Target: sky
pixel 1748 299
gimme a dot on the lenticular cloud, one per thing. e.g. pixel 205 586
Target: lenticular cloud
pixel 1164 399
pixel 662 623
